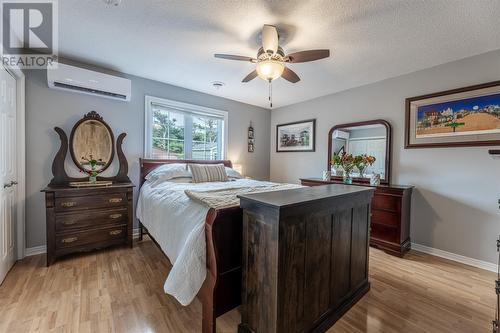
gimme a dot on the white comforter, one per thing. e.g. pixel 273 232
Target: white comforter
pixel 177 224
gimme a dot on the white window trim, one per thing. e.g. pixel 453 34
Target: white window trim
pixel 186 107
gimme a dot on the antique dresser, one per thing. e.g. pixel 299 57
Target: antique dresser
pixel 93 212
pixel 83 219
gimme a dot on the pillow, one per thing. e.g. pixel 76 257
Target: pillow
pixel 169 171
pixel 183 180
pixel 231 173
pixel 208 173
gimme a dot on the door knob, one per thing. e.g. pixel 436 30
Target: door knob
pixel 12 183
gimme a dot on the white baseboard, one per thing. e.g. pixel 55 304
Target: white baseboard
pixel 455 257
pixel 33 251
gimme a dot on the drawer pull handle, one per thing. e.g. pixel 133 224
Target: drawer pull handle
pixel 69 239
pixel 69 222
pixel 115 200
pixel 115 232
pixel 68 204
pixel 115 216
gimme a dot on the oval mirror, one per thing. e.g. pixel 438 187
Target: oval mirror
pixel 91 143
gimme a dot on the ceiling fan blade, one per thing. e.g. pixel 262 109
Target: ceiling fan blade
pixel 305 56
pixel 269 38
pixel 234 57
pixel 290 75
pixel 250 76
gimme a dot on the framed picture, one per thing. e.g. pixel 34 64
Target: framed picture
pixel 250 132
pixel 297 136
pixel 467 116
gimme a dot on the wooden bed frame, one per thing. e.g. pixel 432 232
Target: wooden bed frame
pixel 221 290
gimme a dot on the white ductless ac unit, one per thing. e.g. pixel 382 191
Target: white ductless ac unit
pixel 338 134
pixel 75 79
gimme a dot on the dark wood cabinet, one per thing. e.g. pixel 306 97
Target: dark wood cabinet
pixel 390 210
pixel 84 219
pixel 305 257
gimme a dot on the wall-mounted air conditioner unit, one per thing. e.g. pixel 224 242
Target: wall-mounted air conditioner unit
pixel 338 134
pixel 71 78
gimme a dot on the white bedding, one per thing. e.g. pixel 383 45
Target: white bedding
pixel 177 224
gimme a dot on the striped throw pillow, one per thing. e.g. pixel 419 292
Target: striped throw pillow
pixel 208 173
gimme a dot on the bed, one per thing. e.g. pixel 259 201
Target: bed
pixel 216 264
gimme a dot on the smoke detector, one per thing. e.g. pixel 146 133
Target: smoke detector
pixel 112 2
pixel 218 84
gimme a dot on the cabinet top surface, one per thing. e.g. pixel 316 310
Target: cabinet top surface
pixel 319 180
pixel 87 188
pixel 288 198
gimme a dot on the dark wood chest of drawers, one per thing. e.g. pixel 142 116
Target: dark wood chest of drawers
pixel 390 216
pixel 84 219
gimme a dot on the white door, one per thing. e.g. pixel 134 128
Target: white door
pixel 8 171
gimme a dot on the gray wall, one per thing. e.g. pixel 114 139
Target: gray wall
pixel 455 203
pixel 46 108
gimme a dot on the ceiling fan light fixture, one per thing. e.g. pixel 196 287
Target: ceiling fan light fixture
pixel 270 69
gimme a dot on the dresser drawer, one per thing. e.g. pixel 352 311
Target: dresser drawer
pixel 385 217
pixel 90 219
pixel 63 204
pixel 386 202
pixel 384 232
pixel 91 236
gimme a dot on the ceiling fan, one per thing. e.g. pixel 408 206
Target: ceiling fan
pixel 271 59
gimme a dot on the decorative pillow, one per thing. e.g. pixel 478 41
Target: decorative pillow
pixel 181 180
pixel 208 173
pixel 231 173
pixel 169 171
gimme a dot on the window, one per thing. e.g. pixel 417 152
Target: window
pixel 177 130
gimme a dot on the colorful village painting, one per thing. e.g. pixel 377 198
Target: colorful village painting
pixel 475 115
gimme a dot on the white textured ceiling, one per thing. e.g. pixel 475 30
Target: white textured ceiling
pixel 370 40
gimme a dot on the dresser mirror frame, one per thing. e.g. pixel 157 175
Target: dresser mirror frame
pixel 388 149
pixel 61 178
pixel 91 116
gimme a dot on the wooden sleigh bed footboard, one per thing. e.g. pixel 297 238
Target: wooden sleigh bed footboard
pixel 221 291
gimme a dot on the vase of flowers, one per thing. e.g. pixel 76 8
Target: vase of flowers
pixel 347 163
pixel 93 163
pixel 362 162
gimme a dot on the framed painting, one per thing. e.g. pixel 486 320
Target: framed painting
pixel 467 116
pixel 299 136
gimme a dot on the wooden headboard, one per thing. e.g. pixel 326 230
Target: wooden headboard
pixel 148 165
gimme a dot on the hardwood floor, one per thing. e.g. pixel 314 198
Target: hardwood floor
pixel 121 290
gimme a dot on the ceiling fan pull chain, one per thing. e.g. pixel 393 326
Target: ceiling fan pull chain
pixel 270 94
